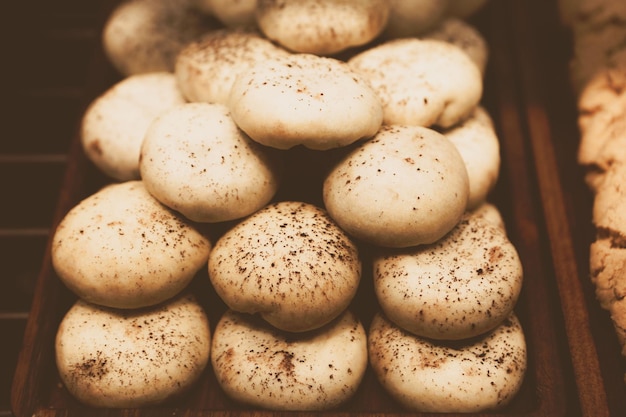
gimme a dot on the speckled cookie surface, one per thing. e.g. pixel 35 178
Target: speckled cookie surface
pixel 121 248
pixel 114 124
pixel 288 262
pixel 261 366
pixel 195 160
pixel 206 68
pixel 321 27
pixel 132 358
pixel 421 82
pixel 317 102
pixel 462 286
pixel 468 376
pixel 407 186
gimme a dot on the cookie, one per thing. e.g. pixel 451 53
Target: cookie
pixel 233 14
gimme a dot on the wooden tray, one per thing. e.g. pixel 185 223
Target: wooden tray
pixel 574 364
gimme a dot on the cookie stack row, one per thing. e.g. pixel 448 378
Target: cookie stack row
pixel 272 158
pixel 598 73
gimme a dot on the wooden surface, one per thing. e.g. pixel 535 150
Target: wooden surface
pixel 574 363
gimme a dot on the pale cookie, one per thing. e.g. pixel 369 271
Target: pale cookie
pixel 464 35
pixel 114 124
pixel 322 27
pixel 261 366
pixel 476 140
pixel 407 186
pixel 491 213
pixel 424 82
pixel 121 248
pixel 608 214
pixel 206 68
pixel 462 286
pixel 146 35
pixel 607 263
pixel 232 13
pixel 195 160
pixel 289 263
pixel 132 358
pixel 304 99
pixel 414 17
pixel 472 375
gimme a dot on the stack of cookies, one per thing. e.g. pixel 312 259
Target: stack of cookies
pixel 598 72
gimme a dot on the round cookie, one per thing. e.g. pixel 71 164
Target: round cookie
pixel 461 286
pixel 491 213
pixel 322 27
pixel 195 160
pixel 132 358
pixel 289 263
pixel 146 35
pixel 424 82
pixel 260 366
pixel 235 14
pixel 121 248
pixel 472 375
pixel 476 140
pixel 206 68
pixel 317 102
pixel 413 17
pixel 407 186
pixel 114 124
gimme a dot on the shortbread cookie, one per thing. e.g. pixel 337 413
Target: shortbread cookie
pixel 424 82
pixel 195 160
pixel 304 99
pixel 461 286
pixel 473 375
pixel 113 358
pixel 414 17
pixel 407 186
pixel 322 27
pixel 146 35
pixel 289 263
pixel 476 140
pixel 114 124
pixel 121 248
pixel 206 68
pixel 258 365
pixel 232 13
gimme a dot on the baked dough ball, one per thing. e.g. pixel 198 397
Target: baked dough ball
pixel 424 82
pixel 472 375
pixel 491 213
pixel 196 161
pixel 462 286
pixel 232 13
pixel 146 35
pixel 414 17
pixel 464 35
pixel 132 358
pixel 476 140
pixel 288 262
pixel 121 248
pixel 304 99
pixel 115 123
pixel 259 365
pixel 407 186
pixel 206 68
pixel 322 27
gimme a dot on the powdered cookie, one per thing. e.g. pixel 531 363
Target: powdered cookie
pixel 476 140
pixel 315 101
pixel 196 161
pixel 132 358
pixel 264 367
pixel 288 262
pixel 461 286
pixel 472 375
pixel 114 124
pixel 407 186
pixel 121 248
pixel 206 68
pixel 414 17
pixel 421 82
pixel 146 35
pixel 322 27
